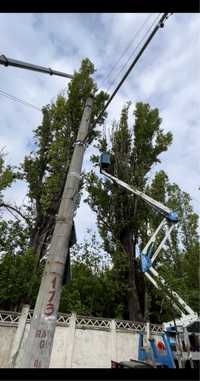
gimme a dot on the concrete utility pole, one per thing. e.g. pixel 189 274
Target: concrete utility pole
pixel 39 342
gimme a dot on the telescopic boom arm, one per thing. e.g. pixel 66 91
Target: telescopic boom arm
pixel 164 210
pixel 147 255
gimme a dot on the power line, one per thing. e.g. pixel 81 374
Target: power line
pixel 125 51
pixel 12 97
pixel 159 25
pixel 122 67
pixel 22 101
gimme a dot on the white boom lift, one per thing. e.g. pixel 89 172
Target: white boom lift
pixel 148 254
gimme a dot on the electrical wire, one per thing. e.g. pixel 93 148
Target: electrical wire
pixel 105 79
pixel 160 24
pixel 22 101
pixel 122 67
pixel 12 97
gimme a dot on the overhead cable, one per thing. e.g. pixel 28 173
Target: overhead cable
pixel 122 67
pixel 160 24
pixel 105 79
pixel 22 101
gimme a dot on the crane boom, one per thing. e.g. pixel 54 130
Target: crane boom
pixel 148 255
pixel 164 210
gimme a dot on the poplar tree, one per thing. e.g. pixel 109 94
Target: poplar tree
pixel 46 168
pixel 122 218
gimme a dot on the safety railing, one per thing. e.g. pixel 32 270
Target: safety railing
pixel 8 318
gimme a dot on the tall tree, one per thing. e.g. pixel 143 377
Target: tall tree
pixel 46 168
pixel 45 171
pixel 15 266
pixel 122 219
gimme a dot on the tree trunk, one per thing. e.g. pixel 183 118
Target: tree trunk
pixel 41 235
pixel 134 308
pixel 133 298
pixel 44 225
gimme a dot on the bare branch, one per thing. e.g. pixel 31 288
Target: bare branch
pixel 11 208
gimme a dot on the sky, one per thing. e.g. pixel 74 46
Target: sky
pixel 166 76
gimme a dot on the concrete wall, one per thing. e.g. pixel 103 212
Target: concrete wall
pixel 7 335
pixel 73 347
pixel 87 348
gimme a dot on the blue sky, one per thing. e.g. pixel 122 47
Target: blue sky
pixel 166 76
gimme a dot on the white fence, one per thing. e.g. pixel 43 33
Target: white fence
pixel 79 341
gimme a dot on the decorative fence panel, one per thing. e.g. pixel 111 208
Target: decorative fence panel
pixel 84 322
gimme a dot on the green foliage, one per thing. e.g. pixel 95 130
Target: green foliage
pixel 14 237
pixel 191 269
pixel 179 260
pixel 122 219
pixel 46 168
pixel 149 141
pixel 86 292
pixel 133 153
pixel 16 279
pixel 7 176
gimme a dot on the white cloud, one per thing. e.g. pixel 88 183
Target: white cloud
pixel 166 76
